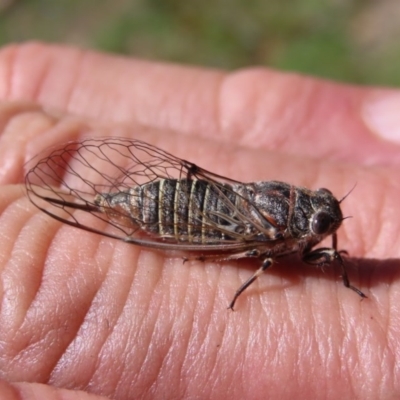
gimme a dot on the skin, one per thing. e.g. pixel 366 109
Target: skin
pixel 84 316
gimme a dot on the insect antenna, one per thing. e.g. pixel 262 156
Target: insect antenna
pixel 345 196
pixel 349 216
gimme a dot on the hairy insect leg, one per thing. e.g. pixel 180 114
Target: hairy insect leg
pixel 326 256
pixel 265 265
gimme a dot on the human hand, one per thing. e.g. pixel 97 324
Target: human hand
pixel 85 312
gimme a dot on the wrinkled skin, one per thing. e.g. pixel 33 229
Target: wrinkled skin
pixel 84 312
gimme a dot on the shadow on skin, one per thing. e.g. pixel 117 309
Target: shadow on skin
pixel 363 273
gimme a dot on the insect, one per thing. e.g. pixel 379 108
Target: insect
pixel 130 190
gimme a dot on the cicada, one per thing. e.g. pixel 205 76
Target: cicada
pixel 130 190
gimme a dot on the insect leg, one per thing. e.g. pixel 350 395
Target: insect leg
pixel 326 255
pixel 266 264
pixel 224 257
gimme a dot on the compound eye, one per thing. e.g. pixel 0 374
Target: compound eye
pixel 321 223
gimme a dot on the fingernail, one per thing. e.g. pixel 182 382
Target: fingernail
pixel 381 113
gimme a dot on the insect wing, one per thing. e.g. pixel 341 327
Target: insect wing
pixel 65 184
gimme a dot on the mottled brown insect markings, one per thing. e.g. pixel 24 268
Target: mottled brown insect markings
pixel 148 197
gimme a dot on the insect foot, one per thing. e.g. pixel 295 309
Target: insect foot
pixel 326 256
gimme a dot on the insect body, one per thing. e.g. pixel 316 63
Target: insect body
pixel 130 190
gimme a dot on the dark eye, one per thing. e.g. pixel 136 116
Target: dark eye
pixel 321 223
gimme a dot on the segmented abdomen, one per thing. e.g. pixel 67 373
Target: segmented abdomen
pixel 194 211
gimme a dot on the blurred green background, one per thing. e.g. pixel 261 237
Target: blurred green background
pixel 350 40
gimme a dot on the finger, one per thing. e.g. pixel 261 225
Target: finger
pixel 84 312
pixel 31 131
pixel 28 391
pixel 256 108
pixel 75 305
